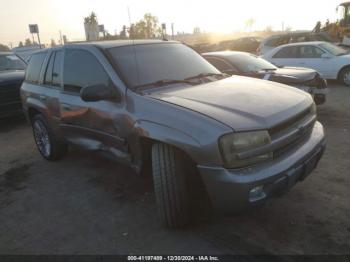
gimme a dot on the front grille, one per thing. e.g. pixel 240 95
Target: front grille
pixel 303 122
pixel 290 123
pixel 10 93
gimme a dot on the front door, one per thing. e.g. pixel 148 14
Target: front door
pixel 311 57
pixel 89 124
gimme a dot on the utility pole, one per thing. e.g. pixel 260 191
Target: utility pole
pixel 39 40
pixel 61 40
pixel 172 31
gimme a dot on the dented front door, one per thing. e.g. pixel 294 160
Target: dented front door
pixel 93 125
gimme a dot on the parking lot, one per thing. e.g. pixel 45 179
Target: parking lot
pixel 85 204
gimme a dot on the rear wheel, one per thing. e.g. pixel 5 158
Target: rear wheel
pixel 344 76
pixel 171 185
pixel 47 143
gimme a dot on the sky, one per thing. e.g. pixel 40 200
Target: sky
pixel 224 16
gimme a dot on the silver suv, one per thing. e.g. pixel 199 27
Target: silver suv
pixel 160 102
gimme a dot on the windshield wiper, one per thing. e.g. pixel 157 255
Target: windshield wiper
pixel 165 82
pixel 201 75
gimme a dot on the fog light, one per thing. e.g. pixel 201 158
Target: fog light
pixel 256 194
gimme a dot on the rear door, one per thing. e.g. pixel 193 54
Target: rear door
pixel 286 56
pixel 90 124
pixel 52 78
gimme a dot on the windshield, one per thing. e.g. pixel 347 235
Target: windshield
pixel 333 49
pixel 11 62
pixel 157 62
pixel 250 63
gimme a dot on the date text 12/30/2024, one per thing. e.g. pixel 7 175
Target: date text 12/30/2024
pixel 173 258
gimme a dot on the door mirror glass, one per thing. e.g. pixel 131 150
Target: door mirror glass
pixel 98 92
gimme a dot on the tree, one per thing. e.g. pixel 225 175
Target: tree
pixel 91 19
pixel 20 44
pixel 4 48
pixel 145 28
pixel 28 42
pixel 122 33
pixel 53 43
pixel 249 23
pixel 268 29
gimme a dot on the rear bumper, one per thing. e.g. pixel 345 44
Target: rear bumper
pixel 229 190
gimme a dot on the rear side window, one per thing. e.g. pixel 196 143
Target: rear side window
pixel 82 69
pixel 287 52
pixel 34 68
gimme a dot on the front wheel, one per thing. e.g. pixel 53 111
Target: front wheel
pixel 170 185
pixel 344 76
pixel 47 143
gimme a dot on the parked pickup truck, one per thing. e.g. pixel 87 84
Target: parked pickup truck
pixel 160 102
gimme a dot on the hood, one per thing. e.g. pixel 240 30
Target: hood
pixel 11 76
pixel 241 103
pixel 290 75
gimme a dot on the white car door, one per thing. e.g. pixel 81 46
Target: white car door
pixel 285 56
pixel 311 56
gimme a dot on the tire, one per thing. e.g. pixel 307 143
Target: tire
pixel 170 185
pixel 344 76
pixel 49 146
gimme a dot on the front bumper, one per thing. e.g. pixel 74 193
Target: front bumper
pixel 229 190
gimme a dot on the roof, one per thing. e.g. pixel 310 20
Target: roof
pixel 225 53
pixel 305 43
pixel 6 53
pixel 117 43
pixel 293 33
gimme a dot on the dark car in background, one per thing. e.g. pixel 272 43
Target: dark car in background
pixel 246 64
pixel 12 70
pixel 247 44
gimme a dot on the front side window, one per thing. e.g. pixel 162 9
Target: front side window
pixel 11 62
pixel 250 63
pixel 286 52
pixel 147 63
pixel 220 64
pixel 310 52
pixel 81 69
pixel 34 67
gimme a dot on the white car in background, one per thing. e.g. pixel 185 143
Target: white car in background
pixel 331 61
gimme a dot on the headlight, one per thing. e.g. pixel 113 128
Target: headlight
pixel 233 144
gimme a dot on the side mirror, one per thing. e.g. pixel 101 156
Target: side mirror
pixel 326 56
pixel 98 92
